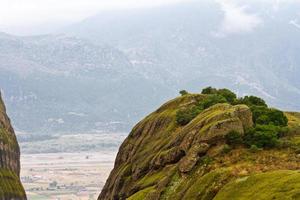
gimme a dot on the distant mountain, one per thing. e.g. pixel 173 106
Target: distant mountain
pixel 129 62
pixel 250 47
pixel 60 83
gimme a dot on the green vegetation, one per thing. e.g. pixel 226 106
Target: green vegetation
pixel 211 100
pixel 184 116
pixel 229 96
pixel 263 136
pixel 209 146
pixel 293 122
pixel 234 138
pixel 251 101
pixel 205 187
pixel 268 116
pixel 253 148
pixel 281 185
pixel 10 185
pixel 142 194
pixel 213 96
pixel 152 179
pixel 269 124
pixel 7 138
pixel 183 92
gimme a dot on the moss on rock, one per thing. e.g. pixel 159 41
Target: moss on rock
pixel 281 185
pixel 161 159
pixel 10 184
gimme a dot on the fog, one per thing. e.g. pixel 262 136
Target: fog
pixel 39 17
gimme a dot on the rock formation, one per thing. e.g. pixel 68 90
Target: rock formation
pixel 10 185
pixel 163 160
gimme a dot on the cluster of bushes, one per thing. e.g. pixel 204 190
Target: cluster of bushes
pixel 257 137
pixel 214 96
pixel 228 95
pixel 184 116
pixel 269 124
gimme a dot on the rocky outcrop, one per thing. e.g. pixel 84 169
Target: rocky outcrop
pixel 163 160
pixel 10 185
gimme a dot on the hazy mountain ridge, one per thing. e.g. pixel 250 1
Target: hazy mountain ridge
pixel 179 44
pixel 58 81
pixel 131 61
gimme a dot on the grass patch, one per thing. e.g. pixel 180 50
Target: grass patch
pixel 142 195
pixel 207 186
pixel 281 185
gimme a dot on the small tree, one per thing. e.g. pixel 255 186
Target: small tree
pixel 263 115
pixel 262 136
pixel 253 101
pixel 234 138
pixel 183 92
pixel 209 90
pixel 211 100
pixel 184 116
pixel 227 94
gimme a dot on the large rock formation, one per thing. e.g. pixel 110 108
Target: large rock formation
pixel 10 185
pixel 163 160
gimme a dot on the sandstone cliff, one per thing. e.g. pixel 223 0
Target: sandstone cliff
pixel 10 185
pixel 163 160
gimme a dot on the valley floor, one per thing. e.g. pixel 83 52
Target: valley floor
pixel 64 176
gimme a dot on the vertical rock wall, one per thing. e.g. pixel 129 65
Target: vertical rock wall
pixel 10 185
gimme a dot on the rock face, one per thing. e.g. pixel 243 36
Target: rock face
pixel 162 160
pixel 10 185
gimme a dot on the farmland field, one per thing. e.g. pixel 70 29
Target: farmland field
pixel 73 166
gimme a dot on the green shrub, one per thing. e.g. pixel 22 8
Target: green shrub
pixel 252 101
pixel 226 149
pixel 263 136
pixel 228 95
pixel 211 100
pixel 209 90
pixel 263 115
pixel 285 143
pixel 234 138
pixel 184 116
pixel 297 150
pixel 183 92
pixel 254 148
pixel 206 160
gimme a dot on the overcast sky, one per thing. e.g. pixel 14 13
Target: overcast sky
pixel 16 15
pixel 26 17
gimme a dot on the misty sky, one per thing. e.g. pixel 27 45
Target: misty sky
pixel 26 17
pixel 16 15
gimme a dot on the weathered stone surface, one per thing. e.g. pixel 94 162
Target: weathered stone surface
pixel 157 142
pixel 189 161
pixel 168 157
pixel 10 185
pixel 163 160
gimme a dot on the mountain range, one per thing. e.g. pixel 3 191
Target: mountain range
pixel 109 70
